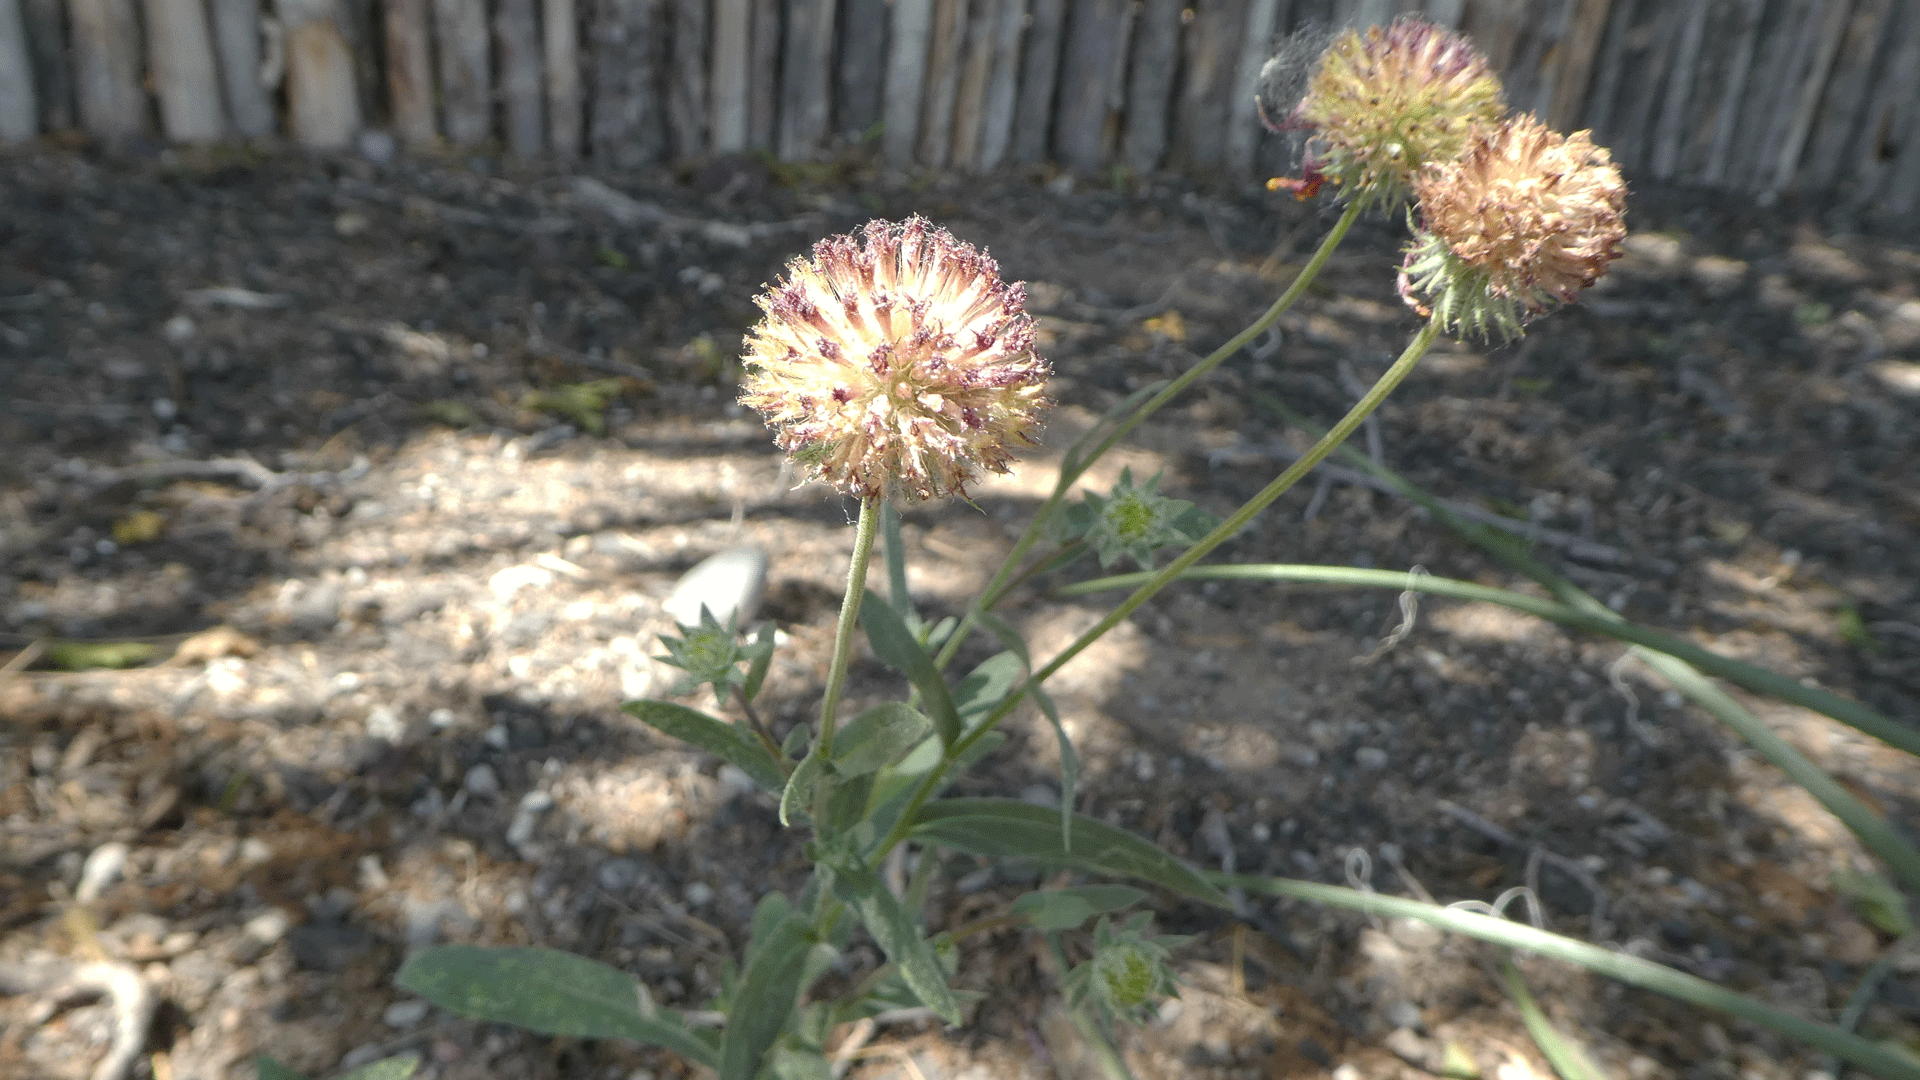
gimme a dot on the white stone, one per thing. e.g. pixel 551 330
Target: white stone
pixel 514 578
pixel 728 582
pixel 405 1014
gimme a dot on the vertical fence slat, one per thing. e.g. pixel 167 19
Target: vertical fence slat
pixel 912 26
pixel 566 103
pixel 1150 84
pixel 1676 111
pixel 969 109
pixel 516 34
pixel 1211 57
pixel 1242 119
pixel 861 67
pixel 181 67
pixel 763 75
pixel 943 82
pixel 236 38
pixel 1811 84
pixel 409 71
pixel 1792 40
pixel 1095 32
pixel 323 100
pixel 1003 85
pixel 687 79
pixel 1843 105
pixel 805 78
pixel 1582 46
pixel 1896 93
pixel 1039 69
pixel 1447 13
pixel 627 128
pixel 732 24
pixel 19 109
pixel 46 24
pixel 1901 193
pixel 1640 96
pixel 106 63
pixel 466 75
pixel 1744 39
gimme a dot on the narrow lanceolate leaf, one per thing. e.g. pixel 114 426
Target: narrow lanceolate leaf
pixel 714 736
pixel 1003 828
pixel 893 929
pixel 548 991
pixel 1069 765
pixel 767 991
pixel 878 737
pixel 1069 909
pixel 896 646
pixel 894 550
pixel 799 790
pixel 986 686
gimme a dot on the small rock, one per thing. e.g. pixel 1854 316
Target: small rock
pixel 101 870
pixel 316 609
pixel 1370 757
pixel 482 783
pixel 377 146
pixel 1408 1046
pixel 532 805
pixel 735 781
pixel 405 1014
pixel 442 718
pixel 514 578
pixel 384 723
pixel 351 224
pixel 268 927
pixel 328 948
pixel 1403 1014
pixel 178 330
pixel 1039 795
pixel 619 875
pixel 699 894
pixel 729 582
pixel 1346 1071
pixel 254 851
pixel 362 1055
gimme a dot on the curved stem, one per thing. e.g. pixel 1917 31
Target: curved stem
pixel 1417 348
pixel 849 618
pixel 1004 579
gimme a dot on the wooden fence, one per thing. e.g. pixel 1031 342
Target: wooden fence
pixel 1752 96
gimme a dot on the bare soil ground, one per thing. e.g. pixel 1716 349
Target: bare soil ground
pixel 323 404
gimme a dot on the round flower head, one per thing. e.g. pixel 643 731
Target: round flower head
pixel 897 363
pixel 1383 105
pixel 1525 219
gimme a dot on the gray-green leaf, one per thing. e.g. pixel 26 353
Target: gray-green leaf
pixel 1069 909
pixel 896 646
pixel 878 737
pixel 714 736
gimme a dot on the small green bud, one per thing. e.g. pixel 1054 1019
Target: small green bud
pixel 1124 974
pixel 710 653
pixel 1136 520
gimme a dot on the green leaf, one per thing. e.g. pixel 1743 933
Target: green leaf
pixel 878 737
pixel 762 660
pixel 270 1069
pixel 714 736
pixel 548 991
pixel 92 655
pixel 1069 765
pixel 848 803
pixel 768 990
pixel 1877 899
pixel 1567 1057
pixel 893 929
pixel 1069 909
pixel 895 645
pixel 894 788
pixel 895 553
pixel 799 789
pixel 986 686
pixel 790 1063
pixel 398 1067
pixel 1003 828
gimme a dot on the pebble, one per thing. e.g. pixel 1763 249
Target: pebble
pixel 179 330
pixel 619 875
pixel 362 1055
pixel 735 781
pixel 729 582
pixel 1403 1014
pixel 377 146
pixel 101 870
pixel 384 723
pixel 405 1014
pixel 514 578
pixel 699 894
pixel 1370 757
pixel 1346 1071
pixel 269 926
pixel 532 805
pixel 442 718
pixel 482 783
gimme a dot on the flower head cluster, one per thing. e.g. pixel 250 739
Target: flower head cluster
pixel 1383 105
pixel 712 653
pixel 1523 219
pixel 896 363
pixel 1130 969
pixel 1136 520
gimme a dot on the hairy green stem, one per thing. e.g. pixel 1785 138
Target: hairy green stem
pixel 1417 348
pixel 849 618
pixel 1615 965
pixel 1003 580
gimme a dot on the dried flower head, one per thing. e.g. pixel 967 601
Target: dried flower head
pixel 896 363
pixel 1525 219
pixel 1383 105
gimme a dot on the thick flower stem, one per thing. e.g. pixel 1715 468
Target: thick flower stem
pixel 1005 579
pixel 849 618
pixel 1417 348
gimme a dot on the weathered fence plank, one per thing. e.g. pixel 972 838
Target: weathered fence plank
pixel 763 76
pixel 1842 107
pixel 566 100
pixel 516 34
pixel 1211 58
pixel 19 108
pixel 732 27
pixel 1094 43
pixel 805 78
pixel 410 72
pixel 1811 84
pixel 106 63
pixel 976 61
pixel 1039 71
pixel 1896 97
pixel 1675 112
pixel 1003 84
pixel 466 71
pixel 180 66
pixel 236 38
pixel 46 26
pixel 323 100
pixel 1742 33
pixel 861 68
pixel 687 79
pixel 912 28
pixel 1582 46
pixel 943 82
pixel 1242 118
pixel 1150 84
pixel 628 127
